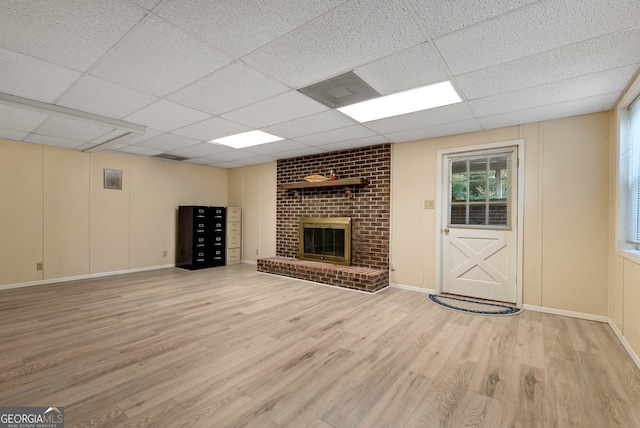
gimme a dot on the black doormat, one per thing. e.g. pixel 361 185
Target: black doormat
pixel 473 306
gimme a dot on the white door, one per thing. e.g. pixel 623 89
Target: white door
pixel 479 237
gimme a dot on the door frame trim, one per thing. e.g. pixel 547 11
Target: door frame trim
pixel 441 206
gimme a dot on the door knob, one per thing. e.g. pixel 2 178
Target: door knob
pixel 446 231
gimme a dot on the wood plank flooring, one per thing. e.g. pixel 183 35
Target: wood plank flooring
pixel 228 347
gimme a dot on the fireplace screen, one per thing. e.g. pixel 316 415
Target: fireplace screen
pixel 326 240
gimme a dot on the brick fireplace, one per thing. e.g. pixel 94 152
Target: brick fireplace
pixel 367 205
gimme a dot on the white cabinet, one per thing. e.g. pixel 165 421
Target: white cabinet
pixel 234 235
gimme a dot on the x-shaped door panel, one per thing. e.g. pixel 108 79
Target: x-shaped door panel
pixel 478 258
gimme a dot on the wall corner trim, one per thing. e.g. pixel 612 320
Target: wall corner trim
pixel 590 317
pixel 624 342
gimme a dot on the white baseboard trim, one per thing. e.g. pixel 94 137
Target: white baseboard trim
pixel 624 342
pixel 572 314
pixel 249 262
pixel 78 277
pixel 412 288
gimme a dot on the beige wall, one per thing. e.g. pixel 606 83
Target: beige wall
pixel 66 202
pixel 624 278
pixel 56 211
pixel 575 212
pixel 566 194
pixel 253 188
pixel 21 218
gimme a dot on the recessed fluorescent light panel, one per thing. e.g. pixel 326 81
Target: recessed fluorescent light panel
pixel 423 98
pixel 247 139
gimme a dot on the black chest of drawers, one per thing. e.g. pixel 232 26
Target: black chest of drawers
pixel 201 237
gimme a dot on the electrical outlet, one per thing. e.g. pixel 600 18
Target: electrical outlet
pixel 164 253
pixel 429 204
pixel 256 252
pixel 39 266
pixel 392 265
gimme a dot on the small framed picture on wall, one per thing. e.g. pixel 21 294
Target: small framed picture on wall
pixel 113 179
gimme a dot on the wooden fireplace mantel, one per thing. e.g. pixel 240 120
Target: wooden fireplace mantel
pixel 346 183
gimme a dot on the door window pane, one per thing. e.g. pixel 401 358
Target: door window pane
pixel 477 214
pixel 478 190
pixel 478 169
pixel 459 170
pixel 458 192
pixel 493 189
pixel 498 214
pixel 458 214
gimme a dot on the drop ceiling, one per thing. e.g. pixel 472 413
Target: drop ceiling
pixel 150 77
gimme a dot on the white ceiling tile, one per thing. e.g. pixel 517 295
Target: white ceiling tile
pixel 281 108
pixel 143 151
pixel 19 119
pixel 72 129
pixel 451 128
pixel 72 33
pixel 10 134
pixel 234 86
pixel 554 111
pixel 166 116
pixel 310 150
pixel 540 27
pixel 360 142
pixel 168 142
pixel 147 4
pixel 149 133
pixel 444 16
pixel 33 78
pixel 421 119
pixel 591 56
pixel 210 129
pixel 256 160
pixel 350 35
pixel 239 27
pixel 52 141
pixel 411 68
pixel 101 97
pixel 226 165
pixel 312 124
pixel 116 147
pixel 337 135
pixel 201 150
pixel 157 58
pixel 604 82
pixel 276 147
pixel 201 161
pixel 233 156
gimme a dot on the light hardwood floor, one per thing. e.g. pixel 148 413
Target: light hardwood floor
pixel 231 347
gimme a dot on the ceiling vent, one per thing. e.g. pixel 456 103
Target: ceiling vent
pixel 170 157
pixel 341 90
